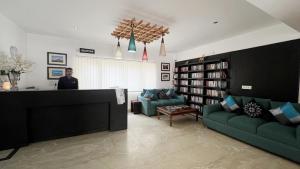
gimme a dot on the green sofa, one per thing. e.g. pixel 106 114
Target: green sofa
pixel 149 106
pixel 268 135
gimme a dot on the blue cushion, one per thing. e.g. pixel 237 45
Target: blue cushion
pixel 149 95
pixel 229 104
pixel 286 114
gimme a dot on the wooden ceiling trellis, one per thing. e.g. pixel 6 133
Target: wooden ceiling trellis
pixel 143 32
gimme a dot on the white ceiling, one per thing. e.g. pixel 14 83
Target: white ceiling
pixel 288 11
pixel 190 21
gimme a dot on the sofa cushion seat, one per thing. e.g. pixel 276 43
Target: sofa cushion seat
pixel 278 132
pixel 221 116
pixel 246 123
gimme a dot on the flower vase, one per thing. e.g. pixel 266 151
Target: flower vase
pixel 14 77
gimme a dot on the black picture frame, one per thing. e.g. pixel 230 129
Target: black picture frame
pixel 165 66
pixel 50 61
pixel 50 76
pixel 165 77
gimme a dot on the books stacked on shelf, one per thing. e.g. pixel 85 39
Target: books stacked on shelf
pixel 198 107
pixel 184 76
pixel 196 90
pixel 197 68
pixel 215 66
pixel 175 76
pixel 197 82
pixel 219 84
pixel 221 74
pixel 176 88
pixel 184 69
pixel 197 75
pixel 184 89
pixel 215 93
pixel 176 70
pixel 211 101
pixel 197 99
pixel 184 82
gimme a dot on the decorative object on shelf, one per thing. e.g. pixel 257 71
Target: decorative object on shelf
pixel 6 86
pixel 13 67
pixel 139 31
pixel 89 51
pixel 162 51
pixel 54 73
pixel 56 58
pixel 165 76
pixel 132 46
pixel 119 50
pixel 145 54
pixel 165 66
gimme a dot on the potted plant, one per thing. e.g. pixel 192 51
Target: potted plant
pixel 13 67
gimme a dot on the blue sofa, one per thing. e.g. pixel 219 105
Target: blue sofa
pixel 149 106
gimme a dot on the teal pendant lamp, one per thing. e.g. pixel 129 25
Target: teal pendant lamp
pixel 131 46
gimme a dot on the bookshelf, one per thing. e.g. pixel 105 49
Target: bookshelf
pixel 202 81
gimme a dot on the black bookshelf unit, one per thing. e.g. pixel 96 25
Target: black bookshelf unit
pixel 202 81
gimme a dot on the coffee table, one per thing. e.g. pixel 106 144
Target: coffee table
pixel 176 110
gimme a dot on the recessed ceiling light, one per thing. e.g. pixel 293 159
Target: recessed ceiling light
pixel 215 22
pixel 76 28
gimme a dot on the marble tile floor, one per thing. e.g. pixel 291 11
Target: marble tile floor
pixel 147 144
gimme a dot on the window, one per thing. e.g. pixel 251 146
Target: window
pixel 98 73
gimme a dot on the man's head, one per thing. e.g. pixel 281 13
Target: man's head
pixel 69 72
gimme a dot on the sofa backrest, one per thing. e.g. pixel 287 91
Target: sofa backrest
pixel 242 100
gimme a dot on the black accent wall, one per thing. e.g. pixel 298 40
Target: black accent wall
pixel 271 70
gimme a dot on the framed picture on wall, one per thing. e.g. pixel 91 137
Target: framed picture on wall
pixel 165 66
pixel 57 58
pixel 165 76
pixel 54 73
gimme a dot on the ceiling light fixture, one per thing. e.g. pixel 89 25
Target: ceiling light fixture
pixel 145 54
pixel 131 46
pixel 140 31
pixel 119 50
pixel 162 51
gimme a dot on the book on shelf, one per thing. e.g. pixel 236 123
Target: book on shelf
pixel 184 69
pixel 197 99
pixel 221 74
pixel 184 82
pixel 184 76
pixel 197 82
pixel 214 83
pixel 197 68
pixel 215 66
pixel 197 75
pixel 196 90
pixel 183 89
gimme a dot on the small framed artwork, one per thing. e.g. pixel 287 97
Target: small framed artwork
pixel 57 58
pixel 165 66
pixel 165 76
pixel 55 73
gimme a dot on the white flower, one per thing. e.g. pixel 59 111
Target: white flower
pixel 15 64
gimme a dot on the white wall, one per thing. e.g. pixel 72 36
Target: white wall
pixel 39 45
pixel 272 34
pixel 11 35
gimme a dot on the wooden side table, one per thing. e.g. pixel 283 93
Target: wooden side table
pixel 136 106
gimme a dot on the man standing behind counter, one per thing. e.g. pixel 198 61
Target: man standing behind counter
pixel 68 82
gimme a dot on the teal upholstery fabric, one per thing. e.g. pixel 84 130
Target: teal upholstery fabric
pixel 275 147
pixel 221 116
pixel 238 100
pixel 271 136
pixel 246 100
pixel 278 132
pixel 149 106
pixel 246 123
pixel 265 103
pixel 207 109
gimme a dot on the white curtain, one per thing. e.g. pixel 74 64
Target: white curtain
pixel 97 73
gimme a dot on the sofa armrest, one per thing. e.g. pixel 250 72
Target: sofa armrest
pixel 145 104
pixel 207 109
